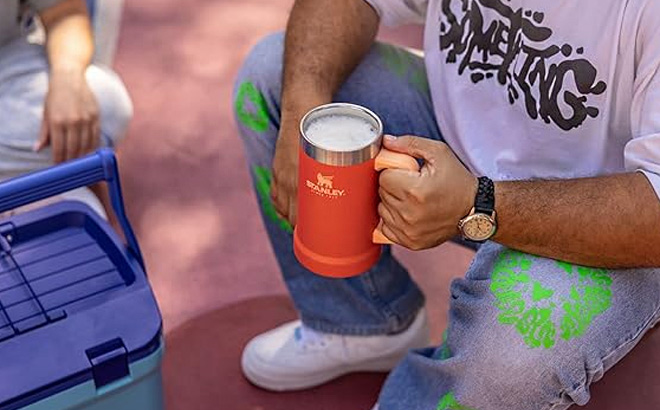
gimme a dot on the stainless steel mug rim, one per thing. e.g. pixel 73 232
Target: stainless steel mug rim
pixel 342 158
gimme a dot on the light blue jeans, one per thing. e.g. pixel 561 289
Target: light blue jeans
pixel 524 333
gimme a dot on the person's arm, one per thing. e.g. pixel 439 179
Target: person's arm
pixel 325 40
pixel 71 113
pixel 608 222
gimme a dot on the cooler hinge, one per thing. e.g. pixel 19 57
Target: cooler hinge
pixel 109 362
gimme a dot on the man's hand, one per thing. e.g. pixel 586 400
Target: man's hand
pixel 284 186
pixel 421 210
pixel 71 117
pixel 71 113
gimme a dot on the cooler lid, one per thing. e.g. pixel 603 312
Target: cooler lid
pixel 74 304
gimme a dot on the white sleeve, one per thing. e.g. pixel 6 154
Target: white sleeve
pixel 399 12
pixel 642 153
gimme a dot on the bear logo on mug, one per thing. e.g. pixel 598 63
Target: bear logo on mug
pixel 324 181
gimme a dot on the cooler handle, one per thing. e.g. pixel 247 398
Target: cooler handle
pixel 96 167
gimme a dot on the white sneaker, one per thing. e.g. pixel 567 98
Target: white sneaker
pixel 294 357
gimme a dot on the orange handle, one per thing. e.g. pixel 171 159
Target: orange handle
pixel 387 159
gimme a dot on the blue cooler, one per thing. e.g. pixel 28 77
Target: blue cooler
pixel 79 325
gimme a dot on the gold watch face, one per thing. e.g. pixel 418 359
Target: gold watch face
pixel 478 227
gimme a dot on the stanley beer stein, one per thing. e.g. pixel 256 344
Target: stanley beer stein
pixel 340 155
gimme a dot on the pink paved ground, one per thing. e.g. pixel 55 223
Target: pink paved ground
pixel 189 197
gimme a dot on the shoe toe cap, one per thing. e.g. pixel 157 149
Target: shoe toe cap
pixel 269 345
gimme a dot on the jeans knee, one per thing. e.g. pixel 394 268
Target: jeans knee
pixel 523 376
pixel 258 84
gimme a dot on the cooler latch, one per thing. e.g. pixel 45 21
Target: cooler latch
pixel 109 362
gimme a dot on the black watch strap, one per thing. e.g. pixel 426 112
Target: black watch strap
pixel 484 202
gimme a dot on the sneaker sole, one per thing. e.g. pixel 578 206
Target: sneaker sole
pixel 282 383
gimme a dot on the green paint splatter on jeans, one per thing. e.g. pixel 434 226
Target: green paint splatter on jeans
pixel 540 293
pixel 449 402
pixel 443 353
pixel 565 266
pixel 405 66
pixel 591 298
pixel 537 328
pixel 531 308
pixel 263 180
pixel 258 119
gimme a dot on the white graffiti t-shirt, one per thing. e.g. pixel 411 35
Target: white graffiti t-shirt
pixel 543 89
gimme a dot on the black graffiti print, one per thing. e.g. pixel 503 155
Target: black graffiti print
pixel 516 50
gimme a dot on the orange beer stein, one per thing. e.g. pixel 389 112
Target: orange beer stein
pixel 340 155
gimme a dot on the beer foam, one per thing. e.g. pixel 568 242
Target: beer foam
pixel 340 132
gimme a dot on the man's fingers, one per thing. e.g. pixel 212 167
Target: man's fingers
pixel 397 182
pixel 96 135
pixel 393 234
pixel 279 215
pixel 387 215
pixel 89 137
pixel 280 201
pixel 418 147
pixel 273 191
pixel 293 212
pixel 73 139
pixel 58 143
pixel 391 225
pixel 282 209
pixel 389 198
pixel 85 140
pixel 285 207
pixel 278 210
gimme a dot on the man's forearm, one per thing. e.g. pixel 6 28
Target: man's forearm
pixel 325 41
pixel 609 222
pixel 69 39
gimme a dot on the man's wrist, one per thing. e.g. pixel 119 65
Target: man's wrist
pixel 68 70
pixel 479 223
pixel 469 195
pixel 500 191
pixel 295 106
pixel 471 192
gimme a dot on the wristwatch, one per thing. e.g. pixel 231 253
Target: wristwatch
pixel 480 224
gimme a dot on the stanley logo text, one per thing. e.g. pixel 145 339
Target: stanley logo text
pixel 324 186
